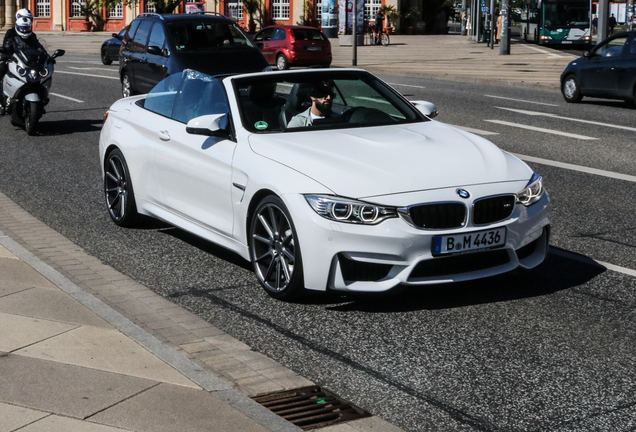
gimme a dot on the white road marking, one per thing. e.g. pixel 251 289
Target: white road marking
pixel 88 75
pixel 581 258
pixel 550 54
pixel 520 100
pixel 93 68
pixel 406 85
pixel 536 113
pixel 475 131
pixel 66 97
pixel 538 129
pixel 579 168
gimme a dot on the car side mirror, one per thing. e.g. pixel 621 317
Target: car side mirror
pixel 58 53
pixel 154 50
pixel 260 45
pixel 427 108
pixel 208 125
pixel 587 54
pixel 115 35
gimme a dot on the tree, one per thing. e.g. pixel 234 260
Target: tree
pixel 252 7
pixel 391 14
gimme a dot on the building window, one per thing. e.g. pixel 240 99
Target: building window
pixel 150 7
pixel 118 12
pixel 280 9
pixel 370 9
pixel 235 10
pixel 76 8
pixel 319 11
pixel 43 8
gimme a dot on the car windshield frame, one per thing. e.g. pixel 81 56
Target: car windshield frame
pixel 395 108
pixel 212 41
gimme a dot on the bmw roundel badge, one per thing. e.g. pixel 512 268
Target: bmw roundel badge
pixel 463 193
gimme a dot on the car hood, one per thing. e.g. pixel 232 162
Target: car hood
pixel 383 160
pixel 224 61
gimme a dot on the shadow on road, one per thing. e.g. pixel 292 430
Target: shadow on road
pixel 68 127
pixel 557 273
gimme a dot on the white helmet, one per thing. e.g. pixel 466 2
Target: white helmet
pixel 24 27
pixel 24 13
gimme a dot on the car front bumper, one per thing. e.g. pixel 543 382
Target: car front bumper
pixel 376 258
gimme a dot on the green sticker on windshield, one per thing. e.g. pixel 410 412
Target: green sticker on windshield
pixel 260 125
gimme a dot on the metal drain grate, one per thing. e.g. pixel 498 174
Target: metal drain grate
pixel 311 407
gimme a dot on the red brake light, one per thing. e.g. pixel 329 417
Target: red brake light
pixel 105 116
pixel 292 36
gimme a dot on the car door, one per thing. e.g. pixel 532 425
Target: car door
pixel 627 70
pixel 265 37
pixel 599 75
pixel 138 60
pixel 156 68
pixel 195 171
pixel 279 44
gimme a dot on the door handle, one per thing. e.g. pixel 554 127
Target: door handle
pixel 164 135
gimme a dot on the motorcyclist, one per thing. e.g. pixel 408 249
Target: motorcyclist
pixel 19 38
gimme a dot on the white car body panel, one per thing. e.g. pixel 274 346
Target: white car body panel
pixel 206 186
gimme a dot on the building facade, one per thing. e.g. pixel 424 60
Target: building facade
pixel 65 15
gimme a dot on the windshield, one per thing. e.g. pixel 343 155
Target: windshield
pixel 319 100
pixel 566 14
pixel 196 36
pixel 33 58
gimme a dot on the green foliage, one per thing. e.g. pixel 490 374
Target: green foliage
pixel 391 14
pixel 161 6
pixel 251 7
pixel 91 9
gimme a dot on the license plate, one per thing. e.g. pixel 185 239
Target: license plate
pixel 566 42
pixel 314 48
pixel 468 242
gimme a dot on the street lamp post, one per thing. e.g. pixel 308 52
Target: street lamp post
pixel 505 28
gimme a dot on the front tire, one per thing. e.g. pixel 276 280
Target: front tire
pixel 32 114
pixel 127 88
pixel 118 189
pixel 571 89
pixel 106 58
pixel 274 250
pixel 281 62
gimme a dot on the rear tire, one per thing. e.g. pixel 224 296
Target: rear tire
pixel 32 114
pixel 281 62
pixel 106 58
pixel 571 89
pixel 118 189
pixel 384 39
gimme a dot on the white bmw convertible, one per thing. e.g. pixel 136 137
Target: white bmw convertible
pixel 323 179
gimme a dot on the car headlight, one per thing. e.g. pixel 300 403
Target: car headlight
pixel 349 211
pixel 544 37
pixel 532 192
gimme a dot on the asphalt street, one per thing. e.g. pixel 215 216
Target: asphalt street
pixel 547 349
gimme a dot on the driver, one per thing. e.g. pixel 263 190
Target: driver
pixel 17 39
pixel 321 96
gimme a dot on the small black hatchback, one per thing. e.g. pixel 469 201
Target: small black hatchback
pixel 156 46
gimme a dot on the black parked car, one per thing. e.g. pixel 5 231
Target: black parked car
pixel 606 71
pixel 110 48
pixel 156 46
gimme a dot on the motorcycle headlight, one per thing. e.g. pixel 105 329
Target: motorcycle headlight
pixel 349 211
pixel 22 71
pixel 532 192
pixel 44 73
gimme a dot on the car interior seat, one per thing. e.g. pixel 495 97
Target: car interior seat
pixel 262 105
pixel 298 102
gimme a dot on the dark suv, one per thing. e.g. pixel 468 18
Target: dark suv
pixel 156 46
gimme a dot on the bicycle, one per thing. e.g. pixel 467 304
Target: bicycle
pixel 374 37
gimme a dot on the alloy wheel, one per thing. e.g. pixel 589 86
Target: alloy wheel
pixel 116 194
pixel 569 88
pixel 125 86
pixel 273 248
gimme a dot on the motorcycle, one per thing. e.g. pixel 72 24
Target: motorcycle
pixel 26 85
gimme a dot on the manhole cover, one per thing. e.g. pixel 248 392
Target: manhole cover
pixel 311 407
